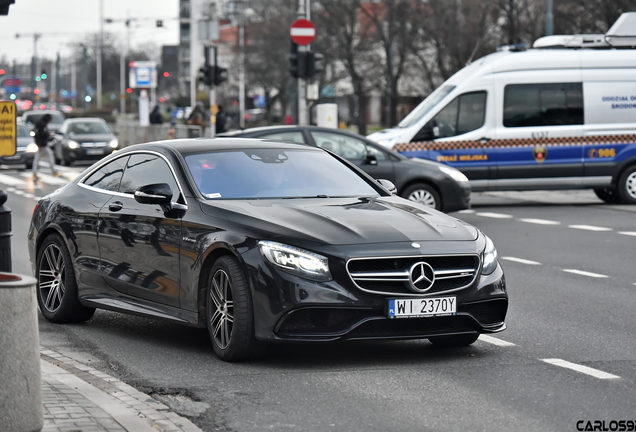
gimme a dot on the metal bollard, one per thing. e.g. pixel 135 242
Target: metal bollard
pixel 20 370
pixel 5 234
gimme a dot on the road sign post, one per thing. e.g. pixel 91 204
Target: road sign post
pixel 302 33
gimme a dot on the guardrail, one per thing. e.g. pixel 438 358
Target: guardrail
pixel 129 132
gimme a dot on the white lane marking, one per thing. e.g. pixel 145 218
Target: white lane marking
pixel 584 273
pixel 11 189
pixel 49 179
pixel 629 233
pixel 28 195
pixel 541 221
pixel 11 181
pixel 494 215
pixel 37 198
pixel 521 260
pixel 466 211
pixel 18 192
pixel 590 228
pixel 580 368
pixel 494 341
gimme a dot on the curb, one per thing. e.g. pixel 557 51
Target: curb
pixel 79 396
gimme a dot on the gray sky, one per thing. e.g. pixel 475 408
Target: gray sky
pixel 64 21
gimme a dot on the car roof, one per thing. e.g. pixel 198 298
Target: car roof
pixel 199 145
pixel 85 119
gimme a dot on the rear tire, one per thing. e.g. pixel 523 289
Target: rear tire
pixel 627 185
pixel 610 196
pixel 57 291
pixel 454 341
pixel 230 313
pixel 424 194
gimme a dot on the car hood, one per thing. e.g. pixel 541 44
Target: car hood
pixel 342 221
pixel 394 136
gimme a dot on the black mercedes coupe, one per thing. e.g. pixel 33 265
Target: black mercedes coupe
pixel 261 241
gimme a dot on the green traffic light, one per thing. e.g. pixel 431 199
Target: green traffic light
pixel 44 76
pixel 37 78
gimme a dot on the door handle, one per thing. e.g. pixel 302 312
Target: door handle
pixel 483 140
pixel 116 206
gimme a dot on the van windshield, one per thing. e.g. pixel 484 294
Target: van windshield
pixel 427 104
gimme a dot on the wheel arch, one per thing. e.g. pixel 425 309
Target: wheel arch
pixel 624 166
pixel 422 180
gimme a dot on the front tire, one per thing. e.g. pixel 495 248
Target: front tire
pixel 627 185
pixel 57 292
pixel 230 314
pixel 454 341
pixel 424 194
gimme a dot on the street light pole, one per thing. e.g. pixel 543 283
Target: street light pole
pixel 99 54
pixel 302 83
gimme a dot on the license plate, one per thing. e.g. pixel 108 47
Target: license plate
pixel 94 151
pixel 417 308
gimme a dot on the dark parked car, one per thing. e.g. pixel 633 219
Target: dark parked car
pixel 260 241
pixel 25 149
pixel 30 118
pixel 83 138
pixel 433 184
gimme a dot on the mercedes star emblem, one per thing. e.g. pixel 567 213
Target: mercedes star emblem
pixel 421 277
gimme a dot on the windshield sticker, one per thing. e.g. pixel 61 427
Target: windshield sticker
pixel 213 195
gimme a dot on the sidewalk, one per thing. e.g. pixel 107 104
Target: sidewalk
pixel 78 398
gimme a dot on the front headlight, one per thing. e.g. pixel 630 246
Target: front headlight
pixel 453 173
pixel 114 143
pixel 489 257
pixel 32 148
pixel 73 144
pixel 296 261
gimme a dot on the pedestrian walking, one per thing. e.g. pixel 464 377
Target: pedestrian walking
pixel 155 116
pixel 42 138
pixel 221 121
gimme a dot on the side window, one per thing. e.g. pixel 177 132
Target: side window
pixel 109 176
pixel 554 104
pixel 286 136
pixel 144 169
pixel 463 114
pixel 342 145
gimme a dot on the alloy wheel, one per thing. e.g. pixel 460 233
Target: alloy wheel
pixel 423 197
pixel 51 278
pixel 222 319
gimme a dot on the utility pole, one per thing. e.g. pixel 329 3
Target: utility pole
pixel 549 19
pixel 302 83
pixel 99 54
pixel 194 19
pixel 85 92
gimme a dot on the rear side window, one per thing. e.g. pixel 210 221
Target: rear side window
pixel 554 104
pixel 286 136
pixel 108 177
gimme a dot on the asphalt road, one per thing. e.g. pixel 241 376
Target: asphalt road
pixel 569 353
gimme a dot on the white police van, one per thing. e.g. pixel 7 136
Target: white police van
pixel 561 115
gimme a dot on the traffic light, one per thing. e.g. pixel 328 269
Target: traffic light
pixel 205 75
pixel 2 71
pixel 297 62
pixel 220 75
pixel 43 75
pixel 314 64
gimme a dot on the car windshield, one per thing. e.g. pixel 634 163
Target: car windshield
pixel 274 173
pixel 34 118
pixel 425 106
pixel 23 131
pixel 86 128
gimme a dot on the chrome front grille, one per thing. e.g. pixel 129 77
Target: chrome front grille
pixel 390 275
pixel 93 144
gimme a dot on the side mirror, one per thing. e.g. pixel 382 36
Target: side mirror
pixel 370 159
pixel 388 185
pixel 159 193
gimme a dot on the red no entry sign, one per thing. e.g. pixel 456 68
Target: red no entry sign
pixel 302 32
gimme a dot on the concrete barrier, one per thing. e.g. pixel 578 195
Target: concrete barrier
pixel 20 371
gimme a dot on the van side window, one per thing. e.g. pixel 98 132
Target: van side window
pixel 463 114
pixel 554 104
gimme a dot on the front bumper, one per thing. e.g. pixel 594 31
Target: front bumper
pixel 289 308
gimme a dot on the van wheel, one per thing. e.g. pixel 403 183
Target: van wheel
pixel 423 194
pixel 610 196
pixel 627 185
